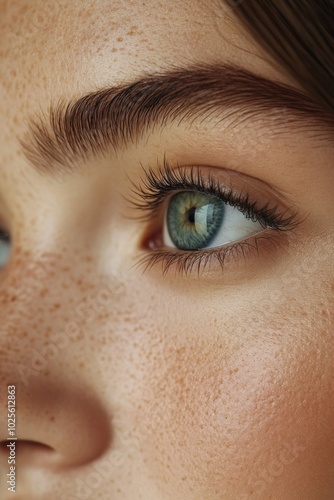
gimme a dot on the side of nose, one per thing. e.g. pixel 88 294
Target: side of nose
pixel 56 425
pixel 59 420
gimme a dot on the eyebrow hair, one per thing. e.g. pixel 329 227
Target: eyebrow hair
pixel 113 117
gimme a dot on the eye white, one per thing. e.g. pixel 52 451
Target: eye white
pixel 235 227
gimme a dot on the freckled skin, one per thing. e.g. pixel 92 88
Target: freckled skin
pixel 135 385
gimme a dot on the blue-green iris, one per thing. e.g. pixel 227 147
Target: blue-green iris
pixel 4 248
pixel 194 219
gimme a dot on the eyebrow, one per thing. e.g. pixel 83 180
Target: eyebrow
pixel 111 118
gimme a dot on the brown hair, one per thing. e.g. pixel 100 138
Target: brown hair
pixel 300 35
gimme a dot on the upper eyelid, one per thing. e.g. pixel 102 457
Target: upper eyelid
pixel 285 198
pixel 148 197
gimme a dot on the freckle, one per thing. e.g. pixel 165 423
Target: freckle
pixel 120 39
pixel 114 50
pixel 133 30
pixel 52 419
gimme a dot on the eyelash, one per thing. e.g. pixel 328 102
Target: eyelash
pixel 158 184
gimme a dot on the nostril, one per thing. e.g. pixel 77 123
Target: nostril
pixel 30 452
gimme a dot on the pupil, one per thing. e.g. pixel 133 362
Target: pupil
pixel 191 215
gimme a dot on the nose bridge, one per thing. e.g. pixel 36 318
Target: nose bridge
pixel 34 296
pixel 50 301
pixel 44 309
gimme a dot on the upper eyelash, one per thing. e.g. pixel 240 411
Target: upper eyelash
pixel 158 183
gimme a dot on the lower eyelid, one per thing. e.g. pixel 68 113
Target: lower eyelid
pixel 222 259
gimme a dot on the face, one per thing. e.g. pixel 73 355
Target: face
pixel 166 277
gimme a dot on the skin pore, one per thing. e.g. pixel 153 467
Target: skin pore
pixel 141 381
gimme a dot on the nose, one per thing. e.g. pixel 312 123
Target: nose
pixel 51 417
pixel 55 423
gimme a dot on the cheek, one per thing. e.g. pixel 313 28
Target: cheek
pixel 230 410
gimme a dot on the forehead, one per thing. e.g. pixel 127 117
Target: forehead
pixel 50 50
pixel 76 46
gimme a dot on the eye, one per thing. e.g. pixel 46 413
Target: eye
pixel 196 220
pixel 5 247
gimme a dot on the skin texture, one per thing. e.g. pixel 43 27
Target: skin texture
pixel 132 384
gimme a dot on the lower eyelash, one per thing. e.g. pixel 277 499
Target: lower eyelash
pixel 185 262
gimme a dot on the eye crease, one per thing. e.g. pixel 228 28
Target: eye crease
pixel 202 219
